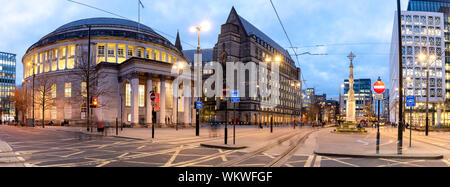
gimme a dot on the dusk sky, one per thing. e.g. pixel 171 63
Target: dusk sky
pixel 337 26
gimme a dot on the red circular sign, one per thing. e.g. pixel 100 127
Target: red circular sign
pixel 153 96
pixel 379 87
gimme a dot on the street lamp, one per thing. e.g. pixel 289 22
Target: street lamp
pixel 423 58
pixel 34 77
pixel 204 26
pixel 269 60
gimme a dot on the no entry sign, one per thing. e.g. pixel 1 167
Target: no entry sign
pixel 379 87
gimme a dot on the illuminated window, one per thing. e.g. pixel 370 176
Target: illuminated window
pixel 101 50
pixel 68 89
pixel 120 52
pixel 83 89
pixel 67 111
pixel 141 96
pixel 53 91
pixel 157 55
pixel 127 94
pixel 53 113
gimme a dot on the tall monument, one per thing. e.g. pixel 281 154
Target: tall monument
pixel 351 103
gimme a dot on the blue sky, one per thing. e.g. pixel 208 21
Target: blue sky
pixel 338 26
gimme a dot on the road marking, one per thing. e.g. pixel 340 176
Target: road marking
pixel 317 162
pixel 141 147
pixel 203 159
pixel 446 162
pixel 122 155
pixel 77 153
pixel 28 165
pixel 342 162
pixel 224 158
pixel 268 155
pixel 174 156
pixel 363 142
pixel 398 163
pixel 309 161
pixel 21 159
pixel 288 165
pixel 103 164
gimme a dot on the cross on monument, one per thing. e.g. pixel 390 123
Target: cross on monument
pixel 351 57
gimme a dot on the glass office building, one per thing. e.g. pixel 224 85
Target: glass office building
pixel 7 85
pixel 442 6
pixel 427 5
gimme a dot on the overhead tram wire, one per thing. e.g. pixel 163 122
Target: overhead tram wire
pixel 287 36
pixel 99 9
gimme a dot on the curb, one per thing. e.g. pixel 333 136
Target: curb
pixel 423 157
pixel 226 147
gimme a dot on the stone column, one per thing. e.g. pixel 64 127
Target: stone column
pixel 186 109
pixel 106 52
pixel 148 105
pixel 175 107
pixel 120 101
pixel 135 100
pixel 162 101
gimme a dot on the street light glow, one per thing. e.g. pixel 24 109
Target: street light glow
pixel 422 57
pixel 277 59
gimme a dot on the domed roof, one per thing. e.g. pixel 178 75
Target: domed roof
pixel 105 21
pixel 104 27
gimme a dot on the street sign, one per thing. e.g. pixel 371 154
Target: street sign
pixel 235 96
pixel 379 87
pixel 411 101
pixel 379 97
pixel 198 105
pixel 153 96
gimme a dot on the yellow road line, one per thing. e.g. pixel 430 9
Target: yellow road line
pixel 317 162
pixel 77 153
pixel 309 161
pixel 224 158
pixel 174 156
pixel 398 163
pixel 122 155
pixel 342 162
pixel 141 147
pixel 446 162
pixel 103 164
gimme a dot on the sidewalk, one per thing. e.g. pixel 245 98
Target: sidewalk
pixel 8 158
pixel 364 146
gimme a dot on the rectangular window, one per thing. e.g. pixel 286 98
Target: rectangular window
pixel 53 113
pixel 53 91
pixel 127 94
pixel 101 50
pixel 83 89
pixel 141 95
pixel 120 52
pixel 68 89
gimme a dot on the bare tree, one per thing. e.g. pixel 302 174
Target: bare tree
pixel 94 85
pixel 20 100
pixel 44 98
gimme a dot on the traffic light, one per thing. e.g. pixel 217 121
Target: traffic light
pixel 94 103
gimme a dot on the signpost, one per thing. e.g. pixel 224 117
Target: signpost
pixel 410 102
pixel 234 99
pixel 153 98
pixel 379 87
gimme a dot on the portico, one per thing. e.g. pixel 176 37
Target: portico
pixel 137 79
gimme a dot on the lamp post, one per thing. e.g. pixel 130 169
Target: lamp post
pixel 204 26
pixel 33 64
pixel 424 58
pixel 276 60
pixel 400 81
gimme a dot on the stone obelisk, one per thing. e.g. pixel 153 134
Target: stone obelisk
pixel 351 103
